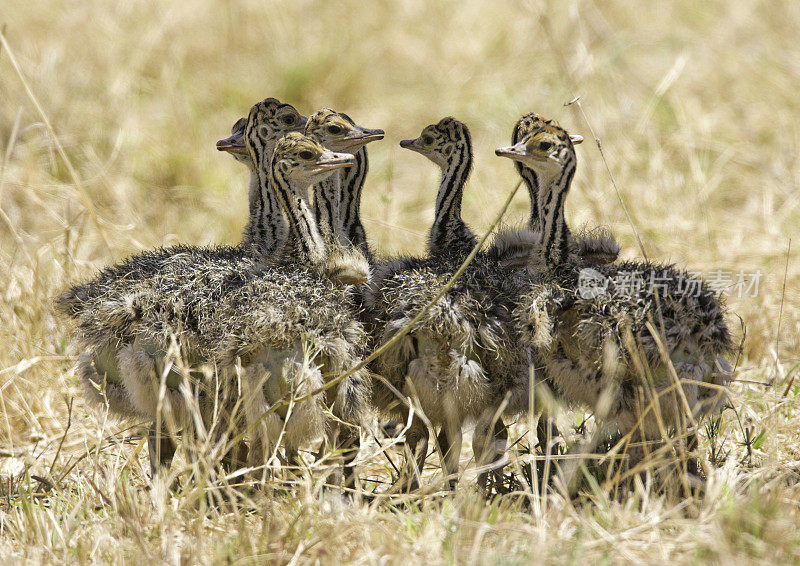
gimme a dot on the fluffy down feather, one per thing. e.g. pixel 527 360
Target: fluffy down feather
pixel 217 308
pixel 589 329
pixel 463 356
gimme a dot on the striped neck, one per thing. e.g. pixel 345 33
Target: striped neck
pixel 352 182
pixel 449 231
pixel 307 237
pixel 532 182
pixel 327 199
pixel 556 235
pixel 266 229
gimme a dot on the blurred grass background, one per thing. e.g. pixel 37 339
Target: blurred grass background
pixel 695 104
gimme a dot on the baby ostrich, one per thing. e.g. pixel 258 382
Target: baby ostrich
pixel 597 330
pixel 457 362
pixel 291 325
pixel 106 307
pixel 276 330
pixel 516 247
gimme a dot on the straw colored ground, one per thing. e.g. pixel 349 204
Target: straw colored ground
pixel 697 110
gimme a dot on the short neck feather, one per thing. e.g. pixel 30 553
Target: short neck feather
pixel 556 234
pixel 532 183
pixel 307 236
pixel 327 204
pixel 352 181
pixel 448 229
pixel 266 229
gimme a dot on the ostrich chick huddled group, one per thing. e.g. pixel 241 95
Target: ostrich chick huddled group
pixel 257 351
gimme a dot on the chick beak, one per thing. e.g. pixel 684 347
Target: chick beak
pixel 331 161
pixel 366 135
pixel 512 152
pixel 409 144
pixel 232 144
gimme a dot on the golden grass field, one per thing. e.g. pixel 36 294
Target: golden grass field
pixel 108 118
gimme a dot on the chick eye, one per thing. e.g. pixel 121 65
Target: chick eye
pixel 334 129
pixel 288 119
pixel 544 146
pixel 427 140
pixel 306 154
pixel 264 131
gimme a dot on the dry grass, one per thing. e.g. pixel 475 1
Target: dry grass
pixel 696 106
